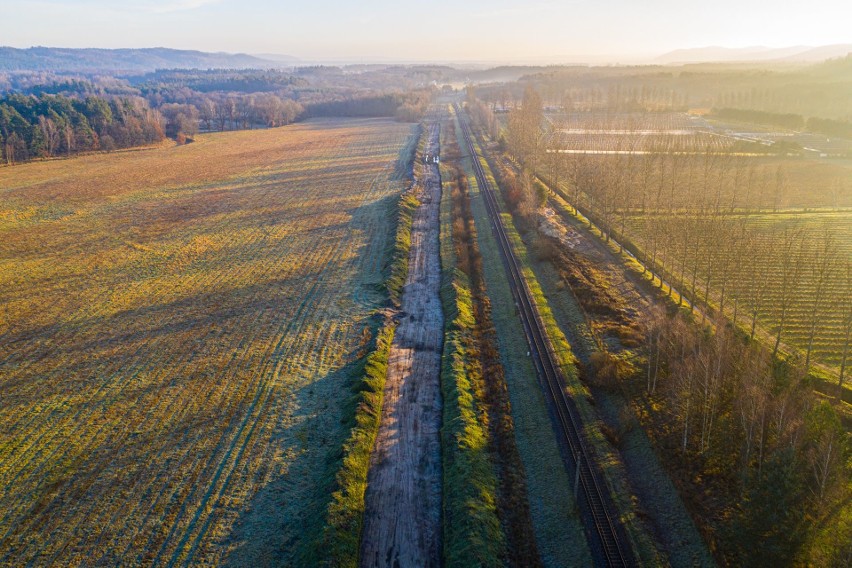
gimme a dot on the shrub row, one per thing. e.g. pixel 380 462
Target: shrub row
pixel 342 535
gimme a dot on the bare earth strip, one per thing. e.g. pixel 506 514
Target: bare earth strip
pixel 403 499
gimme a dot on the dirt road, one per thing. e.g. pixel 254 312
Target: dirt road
pixel 402 521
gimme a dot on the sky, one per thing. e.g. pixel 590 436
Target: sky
pixel 535 31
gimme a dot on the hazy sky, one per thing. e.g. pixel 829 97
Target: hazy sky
pixel 492 30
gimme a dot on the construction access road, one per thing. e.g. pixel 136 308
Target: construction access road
pixel 402 519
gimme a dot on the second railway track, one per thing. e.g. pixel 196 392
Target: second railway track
pixel 607 537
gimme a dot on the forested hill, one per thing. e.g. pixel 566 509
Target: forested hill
pixel 123 60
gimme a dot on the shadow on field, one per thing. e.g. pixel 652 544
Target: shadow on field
pixel 404 166
pixel 136 328
pixel 283 524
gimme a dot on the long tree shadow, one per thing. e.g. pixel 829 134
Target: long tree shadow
pixel 283 524
pixel 404 165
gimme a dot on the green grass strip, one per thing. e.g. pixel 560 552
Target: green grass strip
pixel 472 532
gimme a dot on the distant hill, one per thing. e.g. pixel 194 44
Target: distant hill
pixel 819 54
pixel 123 60
pixel 279 58
pixel 799 53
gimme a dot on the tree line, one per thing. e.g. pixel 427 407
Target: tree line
pixel 231 111
pixel 788 120
pixel 50 125
pixel 823 90
pixel 53 125
pixel 829 127
pixel 770 456
pixel 407 106
pixel 46 126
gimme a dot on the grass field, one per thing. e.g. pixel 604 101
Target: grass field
pixel 175 326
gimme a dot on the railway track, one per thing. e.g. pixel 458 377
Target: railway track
pixel 607 538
